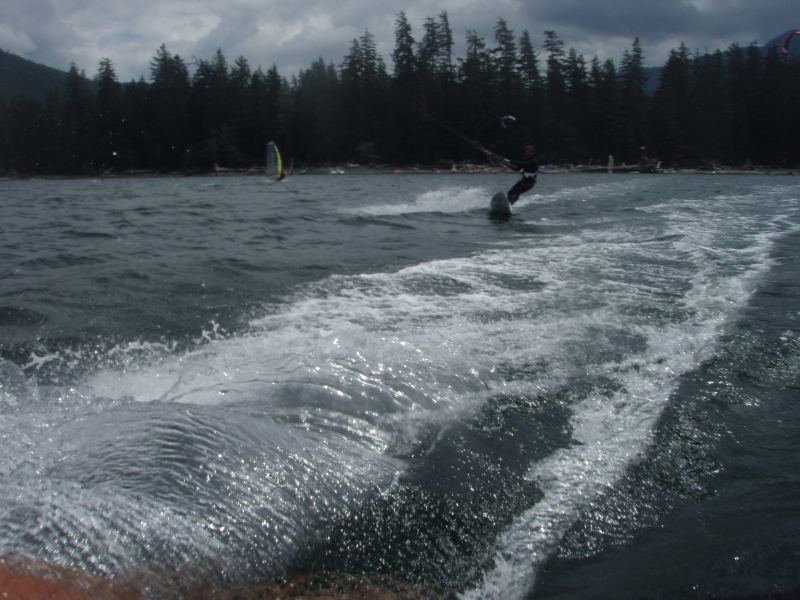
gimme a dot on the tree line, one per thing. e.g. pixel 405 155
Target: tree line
pixel 735 107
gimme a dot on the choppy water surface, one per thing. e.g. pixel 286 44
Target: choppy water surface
pixel 366 374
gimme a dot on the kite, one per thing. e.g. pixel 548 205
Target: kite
pixel 785 44
pixel 506 119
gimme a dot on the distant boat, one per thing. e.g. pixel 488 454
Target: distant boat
pixel 274 163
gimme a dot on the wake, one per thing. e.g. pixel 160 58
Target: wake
pixel 445 200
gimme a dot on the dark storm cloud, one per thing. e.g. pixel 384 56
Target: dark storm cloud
pixel 292 34
pixel 33 29
pixel 697 22
pixel 621 17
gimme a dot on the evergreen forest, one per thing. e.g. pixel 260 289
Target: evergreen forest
pixel 733 107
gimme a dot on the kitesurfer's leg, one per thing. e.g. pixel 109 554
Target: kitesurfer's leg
pixel 519 188
pixel 515 191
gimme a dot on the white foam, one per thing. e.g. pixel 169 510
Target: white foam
pixel 379 357
pixel 612 432
pixel 447 199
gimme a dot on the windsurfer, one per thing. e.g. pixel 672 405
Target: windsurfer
pixel 529 168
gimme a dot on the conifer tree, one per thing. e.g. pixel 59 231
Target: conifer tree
pixel 672 105
pixel 603 112
pixel 374 100
pixel 505 59
pixel 403 57
pixel 169 100
pixel 138 143
pixel 533 114
pixel 275 84
pixel 633 100
pixel 530 74
pixel 76 124
pixel 364 87
pixel 578 125
pixel 775 108
pixel 239 106
pixel 556 132
pixel 316 119
pixel 758 107
pixel 740 96
pixel 404 95
pixel 428 47
pixel 214 134
pixel 351 77
pixel 711 110
pixel 445 66
pixel 107 116
pixel 476 74
pixel 27 142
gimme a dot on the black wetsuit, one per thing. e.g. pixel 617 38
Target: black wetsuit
pixel 529 170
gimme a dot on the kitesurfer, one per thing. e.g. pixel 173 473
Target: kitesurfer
pixel 528 168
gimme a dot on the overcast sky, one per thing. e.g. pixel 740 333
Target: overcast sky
pixel 293 33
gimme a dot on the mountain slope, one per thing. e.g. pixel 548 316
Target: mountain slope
pixel 24 77
pixel 653 74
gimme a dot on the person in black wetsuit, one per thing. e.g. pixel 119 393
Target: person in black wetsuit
pixel 529 168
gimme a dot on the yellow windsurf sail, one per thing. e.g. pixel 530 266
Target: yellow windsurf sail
pixel 274 169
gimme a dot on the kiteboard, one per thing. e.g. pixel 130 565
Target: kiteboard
pixel 500 206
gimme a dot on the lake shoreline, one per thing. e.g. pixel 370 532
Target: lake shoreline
pixel 381 170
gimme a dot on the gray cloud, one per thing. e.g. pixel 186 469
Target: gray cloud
pixel 33 29
pixel 293 33
pixel 662 25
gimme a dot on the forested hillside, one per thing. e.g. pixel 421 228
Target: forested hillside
pixel 23 77
pixel 737 106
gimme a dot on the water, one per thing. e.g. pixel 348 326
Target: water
pixel 366 374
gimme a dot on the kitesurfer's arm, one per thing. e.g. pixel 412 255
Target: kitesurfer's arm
pixel 527 166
